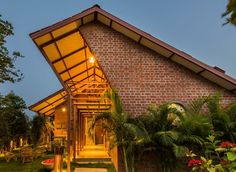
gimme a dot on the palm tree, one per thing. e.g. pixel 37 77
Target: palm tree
pixel 230 13
pixel 223 119
pixel 163 135
pixel 194 124
pixel 122 130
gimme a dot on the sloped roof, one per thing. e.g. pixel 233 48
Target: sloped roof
pixel 68 30
pixel 47 105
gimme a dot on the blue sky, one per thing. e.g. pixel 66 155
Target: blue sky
pixel 194 27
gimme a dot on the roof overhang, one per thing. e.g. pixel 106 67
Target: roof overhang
pixel 69 25
pixel 53 43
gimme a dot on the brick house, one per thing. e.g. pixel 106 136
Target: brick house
pixel 94 51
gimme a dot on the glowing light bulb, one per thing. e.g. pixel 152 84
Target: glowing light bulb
pixel 63 109
pixel 91 59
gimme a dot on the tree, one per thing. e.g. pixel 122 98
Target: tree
pixel 123 132
pixel 13 121
pixel 41 128
pixel 8 72
pixel 230 13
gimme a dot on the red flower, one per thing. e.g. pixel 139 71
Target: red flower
pixel 194 162
pixel 48 161
pixel 227 144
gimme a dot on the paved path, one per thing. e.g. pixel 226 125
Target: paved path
pixel 90 170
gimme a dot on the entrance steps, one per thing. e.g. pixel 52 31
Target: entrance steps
pixel 90 170
pixel 93 154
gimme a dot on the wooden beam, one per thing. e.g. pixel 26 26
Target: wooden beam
pixel 90 99
pixel 92 104
pixel 72 67
pixel 99 76
pixel 58 38
pixel 77 75
pixel 71 53
pixel 171 56
pixel 198 73
pixel 50 104
pixel 89 93
pixel 101 109
pixel 89 83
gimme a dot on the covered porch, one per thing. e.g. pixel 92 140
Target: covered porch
pixel 74 107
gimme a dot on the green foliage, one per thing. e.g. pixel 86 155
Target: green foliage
pixel 122 130
pixel 8 72
pixel 164 138
pixel 58 147
pixel 41 127
pixel 13 121
pixel 195 125
pixel 220 157
pixel 230 13
pixel 18 166
pixel 223 119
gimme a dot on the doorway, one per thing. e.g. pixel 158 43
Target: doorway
pixel 94 136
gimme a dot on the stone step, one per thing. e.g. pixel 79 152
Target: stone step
pixel 93 160
pixel 90 170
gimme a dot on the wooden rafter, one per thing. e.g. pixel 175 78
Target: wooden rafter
pixel 68 55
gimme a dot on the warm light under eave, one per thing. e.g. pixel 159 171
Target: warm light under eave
pixel 63 109
pixel 91 59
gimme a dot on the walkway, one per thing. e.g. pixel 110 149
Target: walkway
pixel 90 170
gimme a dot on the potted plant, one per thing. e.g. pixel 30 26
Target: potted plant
pixel 48 164
pixel 58 149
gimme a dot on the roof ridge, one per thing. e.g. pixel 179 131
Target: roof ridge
pixel 174 51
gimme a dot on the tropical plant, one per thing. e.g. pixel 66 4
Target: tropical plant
pixel 223 119
pixel 194 124
pixel 164 138
pixel 122 131
pixel 221 157
pixel 41 128
pixel 58 147
pixel 230 13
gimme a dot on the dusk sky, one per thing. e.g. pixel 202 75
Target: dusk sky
pixel 194 27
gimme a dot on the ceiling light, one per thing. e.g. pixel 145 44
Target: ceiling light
pixel 63 109
pixel 91 59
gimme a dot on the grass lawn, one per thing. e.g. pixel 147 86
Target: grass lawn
pixel 35 166
pixel 18 166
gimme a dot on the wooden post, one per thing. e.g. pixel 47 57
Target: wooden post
pixel 74 132
pixel 68 132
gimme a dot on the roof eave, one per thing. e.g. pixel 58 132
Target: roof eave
pixel 142 34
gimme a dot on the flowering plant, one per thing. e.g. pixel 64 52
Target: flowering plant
pixel 194 162
pixel 219 157
pixel 227 144
pixel 48 163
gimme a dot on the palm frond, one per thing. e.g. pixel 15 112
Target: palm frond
pixel 179 151
pixel 103 116
pixel 166 138
pixel 231 111
pixel 196 106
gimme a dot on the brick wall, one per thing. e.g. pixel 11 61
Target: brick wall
pixel 142 76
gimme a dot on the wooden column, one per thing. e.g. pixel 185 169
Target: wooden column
pixel 74 132
pixel 69 101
